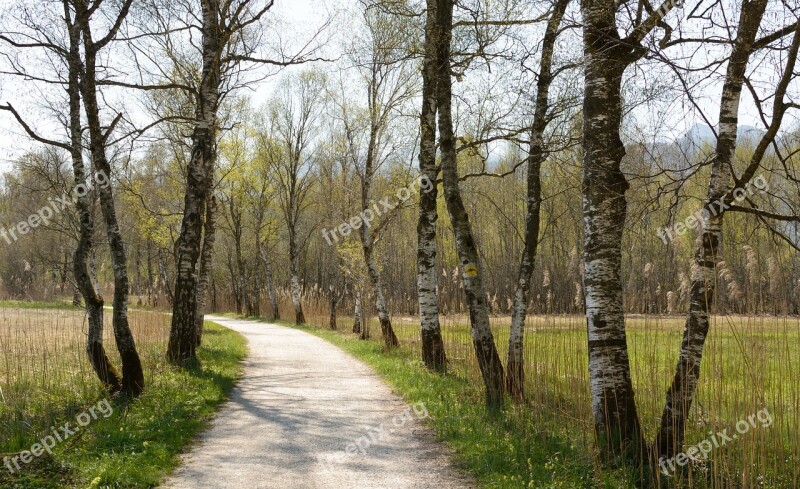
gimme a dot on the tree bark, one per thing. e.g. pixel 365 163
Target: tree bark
pixel 389 337
pixel 680 395
pixel 94 302
pixel 472 274
pixel 150 275
pixel 273 297
pixel 162 272
pixel 294 280
pixel 132 373
pixel 607 56
pixel 206 265
pixel 377 122
pixel 515 369
pixel 357 322
pixel 433 353
pixel 333 301
pixel 794 290
pixel 182 338
pixel 240 280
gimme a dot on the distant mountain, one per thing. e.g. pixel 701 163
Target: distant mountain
pixel 702 136
pixel 678 155
pixel 749 135
pixel 696 138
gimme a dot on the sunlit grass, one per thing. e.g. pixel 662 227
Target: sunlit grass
pixel 46 381
pixel 521 449
pixel 750 364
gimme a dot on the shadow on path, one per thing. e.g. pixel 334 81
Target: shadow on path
pixel 307 415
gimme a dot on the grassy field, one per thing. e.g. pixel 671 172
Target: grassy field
pixel 750 365
pixel 46 381
pixel 522 449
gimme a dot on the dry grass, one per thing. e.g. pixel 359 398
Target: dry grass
pixel 750 364
pixel 44 370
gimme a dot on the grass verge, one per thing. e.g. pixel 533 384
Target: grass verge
pixel 137 445
pixel 502 451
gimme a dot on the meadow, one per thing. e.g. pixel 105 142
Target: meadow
pixel 46 381
pixel 750 365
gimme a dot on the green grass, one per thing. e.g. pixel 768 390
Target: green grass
pixel 140 442
pixel 502 451
pixel 750 364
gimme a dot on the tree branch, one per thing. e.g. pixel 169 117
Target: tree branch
pixel 31 132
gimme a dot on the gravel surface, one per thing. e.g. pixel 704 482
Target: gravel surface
pixel 307 415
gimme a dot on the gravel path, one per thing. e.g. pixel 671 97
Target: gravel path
pixel 307 415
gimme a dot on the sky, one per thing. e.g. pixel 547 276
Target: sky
pixel 300 18
pixel 296 16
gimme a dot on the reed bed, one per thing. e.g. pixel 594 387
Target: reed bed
pixel 45 376
pixel 751 364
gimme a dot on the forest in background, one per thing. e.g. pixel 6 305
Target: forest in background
pixel 474 162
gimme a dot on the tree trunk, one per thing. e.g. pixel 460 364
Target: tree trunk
pixel 670 438
pixel 472 274
pixel 182 338
pixel 241 277
pixel 150 277
pixel 515 369
pixel 235 286
pixel 361 318
pixel 616 420
pixel 214 306
pixel 389 337
pixel 138 267
pixel 256 301
pixel 162 272
pixel 357 321
pixel 334 300
pixel 368 237
pixel 132 373
pixel 94 302
pixel 433 353
pixel 794 289
pixel 294 283
pixel 273 297
pixel 206 259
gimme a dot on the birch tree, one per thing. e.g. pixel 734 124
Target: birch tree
pixel 433 353
pixel 381 58
pixel 723 189
pixel 264 193
pixel 132 373
pixel 183 336
pixel 81 85
pixel 607 54
pixel 206 264
pixel 294 120
pixel 515 371
pixel 471 273
pixel 229 49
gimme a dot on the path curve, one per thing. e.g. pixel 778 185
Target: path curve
pixel 307 415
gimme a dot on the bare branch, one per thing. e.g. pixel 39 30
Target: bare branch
pixel 31 132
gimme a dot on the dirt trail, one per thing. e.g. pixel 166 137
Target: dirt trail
pixel 307 415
